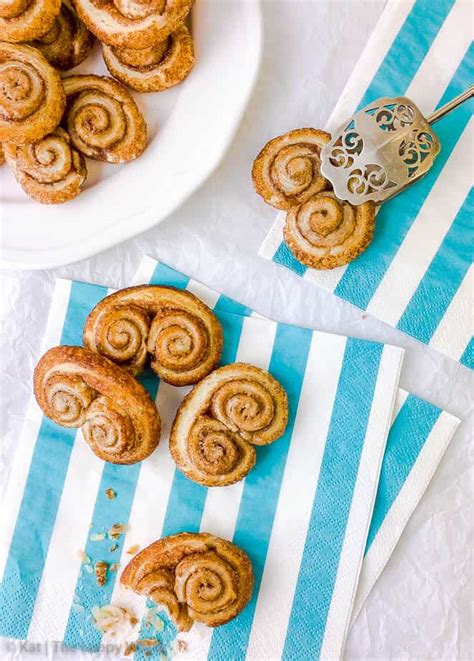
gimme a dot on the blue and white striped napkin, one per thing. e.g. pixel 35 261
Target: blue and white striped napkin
pixel 417 274
pixel 303 514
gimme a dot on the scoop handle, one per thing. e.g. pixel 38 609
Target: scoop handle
pixel 454 103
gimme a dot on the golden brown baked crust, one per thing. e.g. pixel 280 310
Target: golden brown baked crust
pixel 286 172
pixel 50 170
pixel 132 23
pixel 324 232
pixel 68 42
pixel 219 421
pixel 103 120
pixel 2 155
pixel 195 576
pixel 156 67
pixel 78 388
pixel 22 20
pixel 181 333
pixel 32 98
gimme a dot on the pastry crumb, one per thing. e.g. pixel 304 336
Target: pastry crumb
pixel 133 549
pixel 116 530
pixel 147 642
pixel 114 566
pixel 97 537
pixel 101 567
pixel 110 618
pixel 110 493
pixel 84 557
pixel 181 646
pixel 113 548
pixel 130 648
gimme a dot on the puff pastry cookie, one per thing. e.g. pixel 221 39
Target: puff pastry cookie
pixel 78 388
pixel 222 418
pixel 103 120
pixel 32 98
pixel 180 332
pixel 68 42
pixel 132 23
pixel 22 20
pixel 325 232
pixel 50 171
pixel 156 67
pixel 286 172
pixel 196 577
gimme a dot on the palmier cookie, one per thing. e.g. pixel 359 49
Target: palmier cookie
pixel 68 42
pixel 22 20
pixel 286 172
pixel 156 67
pixel 75 387
pixel 132 23
pixel 325 232
pixel 196 577
pixel 222 418
pixel 50 171
pixel 32 97
pixel 180 333
pixel 103 120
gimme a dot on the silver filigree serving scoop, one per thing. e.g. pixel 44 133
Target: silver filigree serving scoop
pixel 383 148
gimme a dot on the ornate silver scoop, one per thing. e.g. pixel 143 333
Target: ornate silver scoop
pixel 383 148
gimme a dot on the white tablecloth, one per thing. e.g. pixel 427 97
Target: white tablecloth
pixel 420 606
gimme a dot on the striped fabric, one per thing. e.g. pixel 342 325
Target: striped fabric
pixel 417 274
pixel 308 501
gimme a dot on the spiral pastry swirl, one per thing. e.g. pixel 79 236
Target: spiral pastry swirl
pixel 22 20
pixel 222 418
pixel 68 42
pixel 103 120
pixel 325 232
pixel 156 67
pixel 50 171
pixel 196 577
pixel 180 332
pixel 286 172
pixel 77 388
pixel 132 23
pixel 32 98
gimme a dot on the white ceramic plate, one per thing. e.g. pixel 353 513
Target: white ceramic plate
pixel 189 127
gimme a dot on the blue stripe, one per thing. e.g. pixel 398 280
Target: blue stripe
pixel 42 494
pixel 226 304
pixel 443 277
pixel 408 50
pixel 363 276
pixel 333 498
pixel 80 632
pixel 407 436
pixel 285 257
pixel 467 358
pixel 166 276
pixel 262 488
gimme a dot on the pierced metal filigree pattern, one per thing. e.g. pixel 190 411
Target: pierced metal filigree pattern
pixel 382 149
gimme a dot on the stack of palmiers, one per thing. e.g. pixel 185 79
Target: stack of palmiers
pixel 49 121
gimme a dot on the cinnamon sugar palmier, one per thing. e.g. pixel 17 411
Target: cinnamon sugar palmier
pixel 68 42
pixel 156 67
pixel 286 172
pixel 222 418
pixel 132 23
pixel 50 171
pixel 77 388
pixel 196 577
pixel 2 155
pixel 325 232
pixel 103 120
pixel 32 98
pixel 180 332
pixel 22 20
